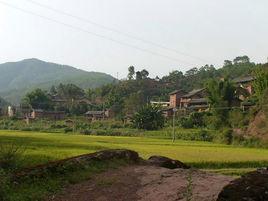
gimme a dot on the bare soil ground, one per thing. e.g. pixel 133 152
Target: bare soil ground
pixel 146 183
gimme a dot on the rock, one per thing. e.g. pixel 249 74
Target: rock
pixel 117 154
pixel 250 187
pixel 76 163
pixel 162 161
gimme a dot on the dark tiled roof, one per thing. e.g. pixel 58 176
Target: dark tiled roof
pixel 193 92
pixel 94 112
pixel 244 79
pixel 176 91
pixel 199 100
pixel 198 107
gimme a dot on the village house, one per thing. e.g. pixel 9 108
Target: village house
pixel 175 98
pixel 42 114
pixel 11 111
pixel 195 100
pixel 174 102
pixel 96 115
pixel 58 100
pixel 245 82
pixel 162 104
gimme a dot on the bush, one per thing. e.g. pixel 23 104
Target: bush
pixel 205 136
pixel 227 136
pixel 213 122
pixel 238 119
pixel 86 132
pixel 57 126
pixel 68 130
pixel 10 156
pixel 149 117
pixel 195 120
pixel 4 185
pixel 186 123
pixel 198 118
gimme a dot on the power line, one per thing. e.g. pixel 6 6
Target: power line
pixel 92 33
pixel 114 30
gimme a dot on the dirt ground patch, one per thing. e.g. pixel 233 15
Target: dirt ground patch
pixel 146 183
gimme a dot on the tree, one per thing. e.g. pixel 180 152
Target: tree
pixel 261 83
pixel 138 75
pixel 70 91
pixel 149 117
pixel 144 74
pixel 227 63
pixel 53 90
pixel 133 102
pixel 241 60
pixel 38 99
pixel 131 72
pixel 221 95
pixel 90 94
pixel 191 72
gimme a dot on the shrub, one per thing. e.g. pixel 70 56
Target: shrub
pixel 205 135
pixel 227 136
pixel 237 118
pixel 4 185
pixel 10 156
pixel 186 123
pixel 57 126
pixel 195 119
pixel 198 118
pixel 149 117
pixel 68 130
pixel 86 132
pixel 213 122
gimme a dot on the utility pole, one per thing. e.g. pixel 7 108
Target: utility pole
pixel 174 115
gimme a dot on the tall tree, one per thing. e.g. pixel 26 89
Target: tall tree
pixel 37 99
pixel 191 72
pixel 133 102
pixel 241 60
pixel 138 75
pixel 261 83
pixel 227 63
pixel 131 72
pixel 144 73
pixel 221 95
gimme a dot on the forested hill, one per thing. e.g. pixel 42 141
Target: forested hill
pixel 18 77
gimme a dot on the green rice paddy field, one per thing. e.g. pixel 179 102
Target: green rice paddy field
pixel 43 147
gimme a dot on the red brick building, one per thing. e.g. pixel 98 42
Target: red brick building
pixel 175 98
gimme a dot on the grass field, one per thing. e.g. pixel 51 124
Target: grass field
pixel 44 147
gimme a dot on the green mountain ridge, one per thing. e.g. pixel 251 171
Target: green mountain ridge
pixel 16 78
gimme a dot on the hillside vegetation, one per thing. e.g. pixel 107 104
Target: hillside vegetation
pixel 16 78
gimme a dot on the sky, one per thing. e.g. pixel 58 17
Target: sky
pixel 172 34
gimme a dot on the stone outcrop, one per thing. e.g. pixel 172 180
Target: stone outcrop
pixel 250 187
pixel 76 163
pixel 166 162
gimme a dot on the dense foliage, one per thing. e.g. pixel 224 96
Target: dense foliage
pixel 149 118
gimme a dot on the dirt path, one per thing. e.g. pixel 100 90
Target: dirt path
pixel 146 183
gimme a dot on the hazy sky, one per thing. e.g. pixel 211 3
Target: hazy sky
pixel 212 30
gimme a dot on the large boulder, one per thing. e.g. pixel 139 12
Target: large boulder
pixel 116 154
pixel 76 163
pixel 166 162
pixel 250 187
